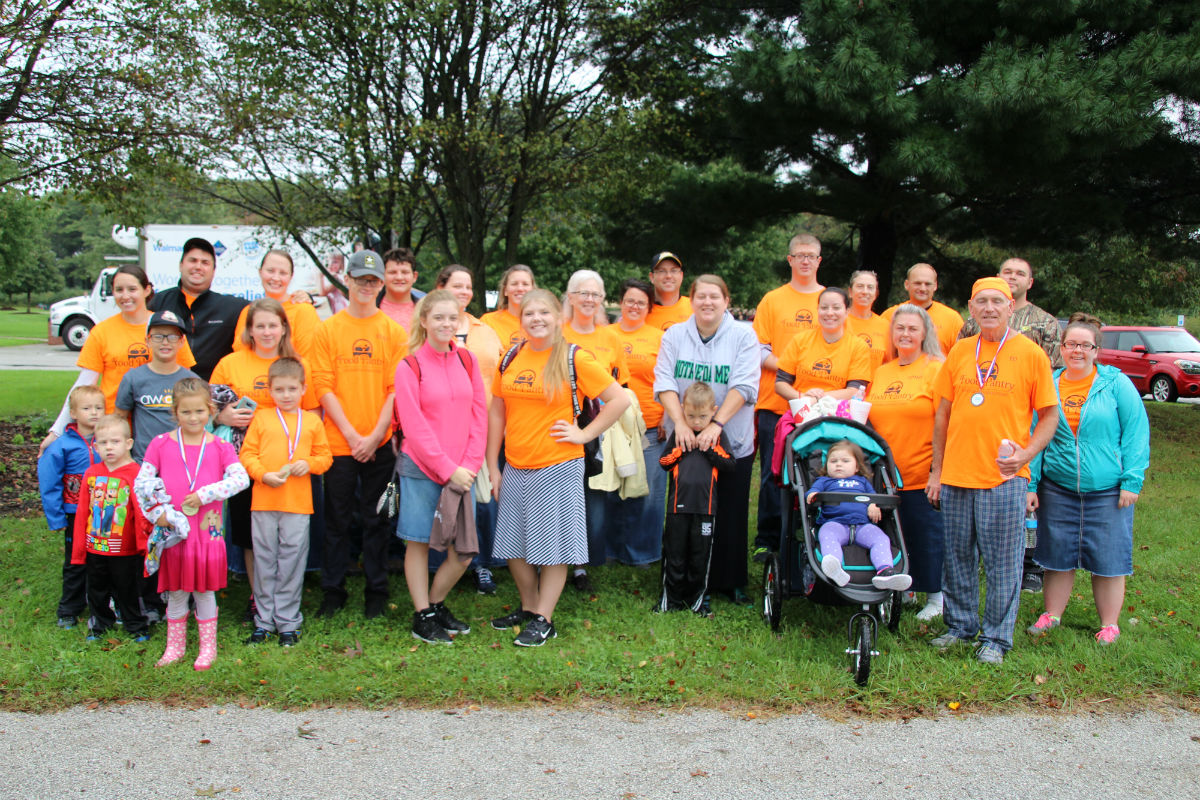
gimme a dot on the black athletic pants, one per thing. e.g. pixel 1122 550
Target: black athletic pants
pixel 74 578
pixel 116 577
pixel 687 551
pixel 341 481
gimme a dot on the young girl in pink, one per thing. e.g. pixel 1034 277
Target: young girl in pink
pixel 185 476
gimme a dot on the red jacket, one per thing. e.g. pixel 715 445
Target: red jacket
pixel 109 521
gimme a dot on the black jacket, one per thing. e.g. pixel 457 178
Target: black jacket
pixel 693 485
pixel 213 317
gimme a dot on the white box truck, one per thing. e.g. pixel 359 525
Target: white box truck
pixel 239 248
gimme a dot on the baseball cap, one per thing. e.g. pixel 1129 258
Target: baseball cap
pixel 196 243
pixel 665 255
pixel 170 319
pixel 363 263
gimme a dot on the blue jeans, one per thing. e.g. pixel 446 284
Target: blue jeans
pixel 635 526
pixel 984 525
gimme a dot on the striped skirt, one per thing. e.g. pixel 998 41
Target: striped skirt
pixel 541 517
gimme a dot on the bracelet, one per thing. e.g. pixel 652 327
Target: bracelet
pixel 718 423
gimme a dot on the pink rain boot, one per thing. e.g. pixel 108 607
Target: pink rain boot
pixel 176 641
pixel 208 643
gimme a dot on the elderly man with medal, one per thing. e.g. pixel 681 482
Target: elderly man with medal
pixel 986 396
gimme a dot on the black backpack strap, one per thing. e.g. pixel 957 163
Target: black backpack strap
pixel 571 351
pixel 510 355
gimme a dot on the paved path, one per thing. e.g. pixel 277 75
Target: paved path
pixel 38 356
pixel 142 751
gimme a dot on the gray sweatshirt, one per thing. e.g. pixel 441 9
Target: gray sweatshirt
pixel 729 361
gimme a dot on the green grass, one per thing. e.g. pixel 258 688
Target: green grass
pixel 31 392
pixel 17 327
pixel 612 649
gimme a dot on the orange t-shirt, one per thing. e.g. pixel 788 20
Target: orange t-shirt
pixel 302 319
pixel 875 332
pixel 529 415
pixel 902 411
pixel 1073 395
pixel 484 344
pixel 1019 384
pixel 604 346
pixel 355 359
pixel 947 321
pixel 781 314
pixel 506 325
pixel 641 354
pixel 245 372
pixel 114 347
pixel 818 364
pixel 266 450
pixel 663 317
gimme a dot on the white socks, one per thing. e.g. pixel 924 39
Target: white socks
pixel 933 607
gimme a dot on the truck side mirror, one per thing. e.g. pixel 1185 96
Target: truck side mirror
pixel 1139 348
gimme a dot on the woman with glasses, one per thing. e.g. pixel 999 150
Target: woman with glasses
pixel 584 299
pixel 1086 481
pixel 635 528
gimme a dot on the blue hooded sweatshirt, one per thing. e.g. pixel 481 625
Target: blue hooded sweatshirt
pixel 60 474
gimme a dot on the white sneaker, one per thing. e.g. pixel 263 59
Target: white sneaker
pixel 909 598
pixel 832 568
pixel 930 611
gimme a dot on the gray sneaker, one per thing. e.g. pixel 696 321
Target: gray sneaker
pixel 989 654
pixel 536 632
pixel 947 640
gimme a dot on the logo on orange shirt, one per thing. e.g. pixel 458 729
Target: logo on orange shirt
pixel 804 317
pixel 260 383
pixel 824 365
pixel 524 378
pixel 1074 401
pixel 894 388
pixel 628 349
pixel 138 351
pixel 988 370
pixel 362 348
pixel 515 338
pixel 866 337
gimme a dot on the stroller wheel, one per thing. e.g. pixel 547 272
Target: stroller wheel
pixel 772 595
pixel 889 611
pixel 862 629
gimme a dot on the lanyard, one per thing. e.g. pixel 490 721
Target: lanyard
pixel 292 442
pixel 191 479
pixel 979 376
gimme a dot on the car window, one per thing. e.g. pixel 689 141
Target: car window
pixel 1124 340
pixel 1171 341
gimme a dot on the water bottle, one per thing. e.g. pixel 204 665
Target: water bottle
pixel 1006 449
pixel 1030 529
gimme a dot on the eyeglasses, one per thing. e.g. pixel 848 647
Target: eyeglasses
pixel 366 280
pixel 159 338
pixel 1084 346
pixel 589 295
pixel 805 256
pixel 635 303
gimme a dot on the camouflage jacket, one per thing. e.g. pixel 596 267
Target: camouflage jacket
pixel 1038 325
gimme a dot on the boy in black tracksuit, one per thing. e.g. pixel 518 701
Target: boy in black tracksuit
pixel 691 507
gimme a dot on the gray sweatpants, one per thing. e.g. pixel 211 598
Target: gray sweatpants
pixel 280 554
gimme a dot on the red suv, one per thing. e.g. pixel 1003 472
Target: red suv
pixel 1163 362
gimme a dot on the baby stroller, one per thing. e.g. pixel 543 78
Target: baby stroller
pixel 795 569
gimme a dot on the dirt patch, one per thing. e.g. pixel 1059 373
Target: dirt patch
pixel 18 469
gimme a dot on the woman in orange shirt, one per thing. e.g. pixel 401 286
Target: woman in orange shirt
pixel 862 321
pixel 515 283
pixel 116 345
pixel 267 336
pixel 824 361
pixel 540 526
pixel 902 411
pixel 637 523
pixel 484 344
pixel 275 272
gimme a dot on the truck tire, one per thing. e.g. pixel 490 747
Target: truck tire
pixel 75 332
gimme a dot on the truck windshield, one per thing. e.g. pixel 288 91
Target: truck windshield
pixel 1176 341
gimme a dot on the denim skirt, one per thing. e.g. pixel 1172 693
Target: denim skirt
pixel 1083 531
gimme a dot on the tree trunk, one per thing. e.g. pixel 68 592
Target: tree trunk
pixel 877 247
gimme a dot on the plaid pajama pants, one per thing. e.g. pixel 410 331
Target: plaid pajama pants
pixel 983 524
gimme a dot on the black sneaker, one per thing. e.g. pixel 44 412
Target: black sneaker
pixel 448 620
pixel 582 582
pixel 518 617
pixel 426 628
pixel 536 632
pixel 375 607
pixel 485 582
pixel 1031 582
pixel 289 638
pixel 330 606
pixel 251 610
pixel 760 555
pixel 259 636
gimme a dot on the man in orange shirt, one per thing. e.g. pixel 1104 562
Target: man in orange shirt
pixel 986 394
pixel 670 307
pixel 921 284
pixel 781 314
pixel 354 366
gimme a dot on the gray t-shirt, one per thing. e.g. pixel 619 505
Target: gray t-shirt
pixel 147 395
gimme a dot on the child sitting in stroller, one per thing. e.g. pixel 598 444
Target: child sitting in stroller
pixel 846 470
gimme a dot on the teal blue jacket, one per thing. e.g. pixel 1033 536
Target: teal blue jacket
pixel 1112 448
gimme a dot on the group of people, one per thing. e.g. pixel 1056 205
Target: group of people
pixel 487 430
